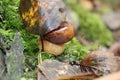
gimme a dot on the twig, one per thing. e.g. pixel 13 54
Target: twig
pixel 29 67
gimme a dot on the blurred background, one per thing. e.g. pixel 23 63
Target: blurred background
pixel 96 21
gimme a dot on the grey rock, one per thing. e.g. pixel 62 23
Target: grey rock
pixel 53 69
pixel 116 35
pixel 112 20
pixel 2 64
pixel 14 60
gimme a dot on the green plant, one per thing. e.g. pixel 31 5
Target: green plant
pixel 75 49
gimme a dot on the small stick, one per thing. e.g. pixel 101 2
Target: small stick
pixel 40 53
pixel 74 77
pixel 40 58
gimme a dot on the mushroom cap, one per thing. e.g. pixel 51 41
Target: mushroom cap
pixel 47 19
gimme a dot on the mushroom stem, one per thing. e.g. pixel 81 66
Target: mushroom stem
pixel 51 48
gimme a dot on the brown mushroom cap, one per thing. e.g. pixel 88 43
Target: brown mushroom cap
pixel 64 33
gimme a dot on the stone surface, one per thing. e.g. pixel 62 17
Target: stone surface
pixel 15 59
pixel 2 59
pixel 116 35
pixel 112 20
pixel 115 48
pixel 113 76
pixel 118 62
pixel 55 70
pixel 2 64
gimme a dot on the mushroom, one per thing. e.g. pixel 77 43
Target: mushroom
pixel 47 18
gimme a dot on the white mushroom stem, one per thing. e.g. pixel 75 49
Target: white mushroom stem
pixel 51 48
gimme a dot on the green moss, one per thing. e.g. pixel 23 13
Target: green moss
pixel 75 49
pixel 47 56
pixel 93 29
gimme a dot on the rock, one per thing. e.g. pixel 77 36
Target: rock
pixel 114 76
pixel 112 20
pixel 116 35
pixel 118 62
pixel 87 4
pixel 14 60
pixel 55 70
pixel 92 5
pixel 2 64
pixel 115 48
pixel 2 59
